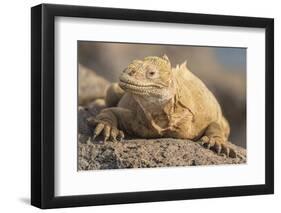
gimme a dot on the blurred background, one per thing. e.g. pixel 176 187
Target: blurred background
pixel 222 69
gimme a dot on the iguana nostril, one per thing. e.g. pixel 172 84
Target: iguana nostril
pixel 131 72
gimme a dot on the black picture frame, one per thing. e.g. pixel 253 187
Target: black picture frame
pixel 43 102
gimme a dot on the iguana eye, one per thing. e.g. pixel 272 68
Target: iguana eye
pixel 152 74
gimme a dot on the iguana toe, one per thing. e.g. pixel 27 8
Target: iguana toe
pixel 114 134
pixel 218 145
pixel 106 132
pixel 109 132
pixel 99 128
pixel 121 135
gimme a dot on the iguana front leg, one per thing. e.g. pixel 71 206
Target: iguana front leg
pixel 214 138
pixel 109 122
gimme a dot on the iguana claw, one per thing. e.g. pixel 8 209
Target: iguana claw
pixel 218 146
pixel 109 132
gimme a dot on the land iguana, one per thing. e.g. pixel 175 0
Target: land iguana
pixel 154 100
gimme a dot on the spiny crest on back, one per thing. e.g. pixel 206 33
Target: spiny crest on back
pixel 181 68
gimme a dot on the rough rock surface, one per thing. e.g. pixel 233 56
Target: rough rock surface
pixel 150 153
pixel 143 153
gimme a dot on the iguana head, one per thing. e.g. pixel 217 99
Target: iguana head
pixel 150 77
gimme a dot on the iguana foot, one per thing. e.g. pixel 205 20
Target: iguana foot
pixel 218 145
pixel 109 131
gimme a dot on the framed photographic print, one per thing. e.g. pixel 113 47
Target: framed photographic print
pixel 139 106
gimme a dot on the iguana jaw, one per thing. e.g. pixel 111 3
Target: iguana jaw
pixel 134 86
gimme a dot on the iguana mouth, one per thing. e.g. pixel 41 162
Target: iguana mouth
pixel 138 88
pixel 127 82
pixel 135 83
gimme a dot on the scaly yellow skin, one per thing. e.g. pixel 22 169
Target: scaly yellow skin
pixel 155 100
